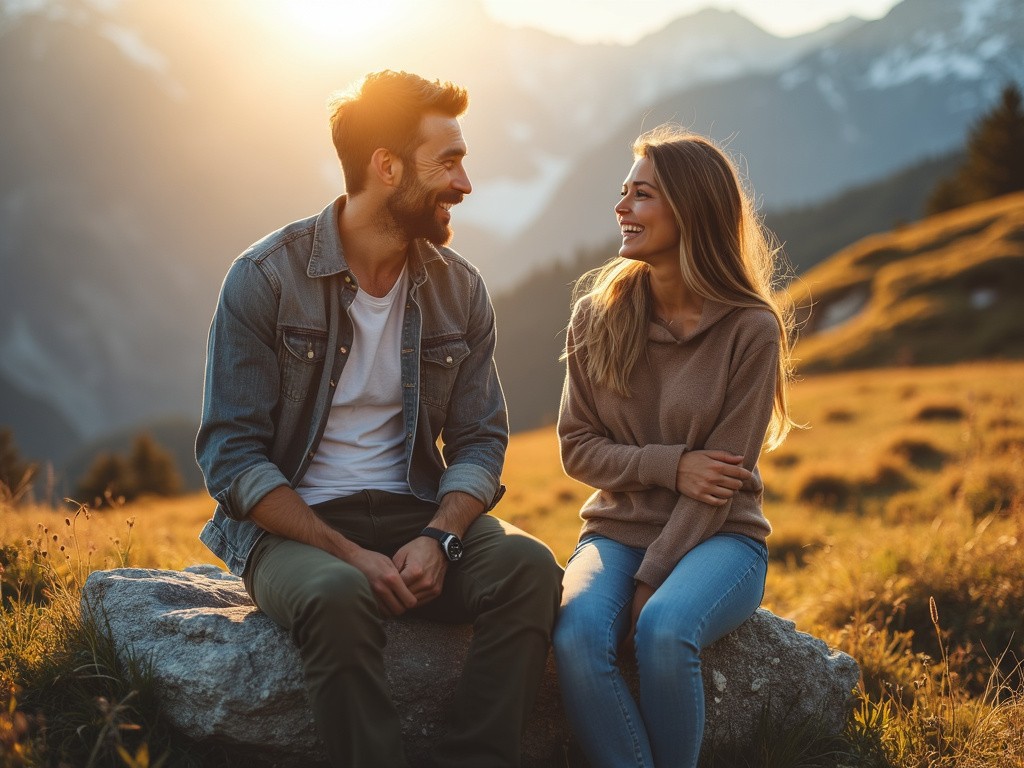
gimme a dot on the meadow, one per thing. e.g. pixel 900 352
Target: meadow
pixel 898 517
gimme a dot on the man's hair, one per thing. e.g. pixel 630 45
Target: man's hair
pixel 384 109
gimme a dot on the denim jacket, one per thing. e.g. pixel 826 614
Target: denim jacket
pixel 278 343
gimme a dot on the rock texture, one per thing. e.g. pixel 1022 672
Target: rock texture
pixel 228 673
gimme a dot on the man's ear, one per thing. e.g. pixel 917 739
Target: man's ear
pixel 387 166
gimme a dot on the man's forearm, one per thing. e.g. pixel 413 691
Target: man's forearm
pixel 284 513
pixel 456 512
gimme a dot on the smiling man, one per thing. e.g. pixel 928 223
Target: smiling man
pixel 344 349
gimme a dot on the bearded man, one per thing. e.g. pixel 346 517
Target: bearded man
pixel 353 435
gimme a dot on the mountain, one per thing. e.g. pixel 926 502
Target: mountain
pixel 146 144
pixel 810 234
pixel 884 95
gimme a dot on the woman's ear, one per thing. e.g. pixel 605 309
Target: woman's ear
pixel 386 166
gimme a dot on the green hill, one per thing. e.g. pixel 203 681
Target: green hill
pixel 944 290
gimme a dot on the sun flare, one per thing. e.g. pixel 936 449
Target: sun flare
pixel 329 23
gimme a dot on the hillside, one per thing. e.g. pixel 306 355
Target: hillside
pixel 947 289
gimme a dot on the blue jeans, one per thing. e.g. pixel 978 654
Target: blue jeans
pixel 714 588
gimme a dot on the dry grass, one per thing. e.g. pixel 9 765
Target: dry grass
pixel 919 573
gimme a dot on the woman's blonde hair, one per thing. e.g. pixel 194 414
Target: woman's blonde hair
pixel 725 254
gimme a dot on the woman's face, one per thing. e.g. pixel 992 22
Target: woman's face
pixel 648 226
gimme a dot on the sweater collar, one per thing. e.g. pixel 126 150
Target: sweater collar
pixel 712 312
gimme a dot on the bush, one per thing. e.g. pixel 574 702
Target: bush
pixel 940 412
pixel 16 474
pixel 826 487
pixel 148 469
pixel 987 490
pixel 919 451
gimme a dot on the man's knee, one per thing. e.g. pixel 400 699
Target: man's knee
pixel 533 563
pixel 336 596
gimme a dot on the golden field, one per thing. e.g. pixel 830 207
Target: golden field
pixel 898 517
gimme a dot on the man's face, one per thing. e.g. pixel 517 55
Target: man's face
pixel 433 180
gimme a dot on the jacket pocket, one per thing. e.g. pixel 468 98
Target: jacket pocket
pixel 440 358
pixel 302 360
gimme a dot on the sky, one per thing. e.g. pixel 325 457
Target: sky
pixel 361 25
pixel 626 21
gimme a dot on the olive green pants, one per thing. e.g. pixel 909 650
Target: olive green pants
pixel 507 584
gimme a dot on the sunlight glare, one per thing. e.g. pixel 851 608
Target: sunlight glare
pixel 330 23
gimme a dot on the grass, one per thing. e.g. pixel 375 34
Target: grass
pixel 915 292
pixel 917 571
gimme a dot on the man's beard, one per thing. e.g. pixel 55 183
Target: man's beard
pixel 413 211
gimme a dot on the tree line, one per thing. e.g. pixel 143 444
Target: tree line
pixel 146 470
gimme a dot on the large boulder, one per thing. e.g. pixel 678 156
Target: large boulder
pixel 227 673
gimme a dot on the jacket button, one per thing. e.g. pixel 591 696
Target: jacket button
pixel 343 350
pixel 332 383
pixel 448 359
pixel 348 279
pixel 310 354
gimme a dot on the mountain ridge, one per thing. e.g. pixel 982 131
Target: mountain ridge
pixel 143 151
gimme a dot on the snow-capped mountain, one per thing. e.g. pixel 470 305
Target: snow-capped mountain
pixel 885 94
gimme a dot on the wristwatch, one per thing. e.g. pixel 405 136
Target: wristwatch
pixel 451 544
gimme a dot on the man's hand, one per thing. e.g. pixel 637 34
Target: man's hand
pixel 422 567
pixel 284 513
pixel 711 476
pixel 393 596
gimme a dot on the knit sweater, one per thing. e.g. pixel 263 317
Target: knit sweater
pixel 712 389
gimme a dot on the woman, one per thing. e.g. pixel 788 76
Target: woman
pixel 677 367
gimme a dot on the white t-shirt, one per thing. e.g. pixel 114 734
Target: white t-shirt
pixel 363 445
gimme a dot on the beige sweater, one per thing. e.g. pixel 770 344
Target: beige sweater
pixel 711 390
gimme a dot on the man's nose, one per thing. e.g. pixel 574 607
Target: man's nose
pixel 461 182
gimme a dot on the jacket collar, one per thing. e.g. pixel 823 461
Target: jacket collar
pixel 327 257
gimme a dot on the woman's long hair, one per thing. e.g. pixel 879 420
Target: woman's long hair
pixel 725 254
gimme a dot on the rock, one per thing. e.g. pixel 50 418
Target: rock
pixel 227 673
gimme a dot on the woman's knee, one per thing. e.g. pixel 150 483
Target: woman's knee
pixel 580 647
pixel 584 631
pixel 663 635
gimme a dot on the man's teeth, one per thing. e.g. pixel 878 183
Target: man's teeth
pixel 631 229
pixel 447 206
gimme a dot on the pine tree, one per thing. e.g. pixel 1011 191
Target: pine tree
pixel 995 158
pixel 108 475
pixel 16 474
pixel 153 468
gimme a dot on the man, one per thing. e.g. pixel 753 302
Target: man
pixel 344 349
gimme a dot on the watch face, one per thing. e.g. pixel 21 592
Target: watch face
pixel 453 548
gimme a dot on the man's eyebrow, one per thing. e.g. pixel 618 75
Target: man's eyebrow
pixel 452 152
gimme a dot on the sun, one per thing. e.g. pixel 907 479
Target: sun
pixel 355 25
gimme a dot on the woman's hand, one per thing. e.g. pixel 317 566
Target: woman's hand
pixel 711 476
